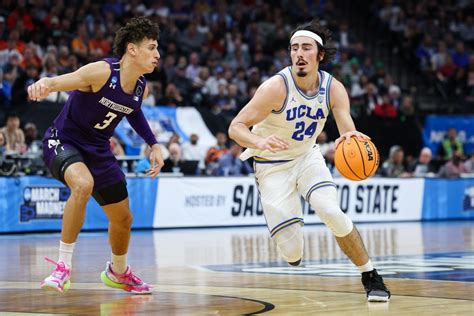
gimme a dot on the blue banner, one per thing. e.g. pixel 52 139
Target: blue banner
pixel 436 127
pixel 163 122
pixel 448 199
pixel 36 203
pixel 33 203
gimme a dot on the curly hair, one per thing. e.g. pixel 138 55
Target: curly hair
pixel 326 35
pixel 136 30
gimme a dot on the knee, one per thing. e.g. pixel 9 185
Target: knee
pixel 336 220
pixel 124 220
pixel 290 244
pixel 82 187
pixel 331 214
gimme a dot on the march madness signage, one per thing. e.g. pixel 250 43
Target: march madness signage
pixel 436 126
pixel 43 202
pixel 194 202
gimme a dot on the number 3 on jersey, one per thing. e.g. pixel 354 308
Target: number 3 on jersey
pixel 106 122
pixel 301 131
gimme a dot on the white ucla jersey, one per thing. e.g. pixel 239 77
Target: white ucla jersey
pixel 300 120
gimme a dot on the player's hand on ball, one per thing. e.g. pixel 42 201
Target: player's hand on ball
pixel 347 137
pixel 39 90
pixel 272 143
pixel 156 161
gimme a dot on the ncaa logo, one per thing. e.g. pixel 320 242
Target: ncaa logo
pixel 320 99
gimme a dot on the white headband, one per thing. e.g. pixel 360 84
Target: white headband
pixel 309 34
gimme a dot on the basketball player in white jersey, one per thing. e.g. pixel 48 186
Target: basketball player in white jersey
pixel 287 113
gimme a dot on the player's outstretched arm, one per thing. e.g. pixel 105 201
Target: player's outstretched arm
pixel 90 77
pixel 342 113
pixel 268 97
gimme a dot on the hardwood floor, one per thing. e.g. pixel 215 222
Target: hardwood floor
pixel 237 271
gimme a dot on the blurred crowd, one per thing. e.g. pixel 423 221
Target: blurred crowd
pixel 214 54
pixel 437 38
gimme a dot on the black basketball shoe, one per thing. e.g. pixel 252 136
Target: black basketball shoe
pixel 375 288
pixel 295 264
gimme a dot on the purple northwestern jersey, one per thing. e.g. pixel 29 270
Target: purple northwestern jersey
pixel 93 117
pixel 89 119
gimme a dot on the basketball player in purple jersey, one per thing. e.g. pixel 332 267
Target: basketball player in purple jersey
pixel 77 151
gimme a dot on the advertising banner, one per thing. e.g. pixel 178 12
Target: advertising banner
pixel 36 203
pixel 448 199
pixel 195 202
pixel 436 127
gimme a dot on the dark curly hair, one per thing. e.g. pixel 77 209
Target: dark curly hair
pixel 136 30
pixel 326 35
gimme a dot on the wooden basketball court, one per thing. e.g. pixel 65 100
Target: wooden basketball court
pixel 236 271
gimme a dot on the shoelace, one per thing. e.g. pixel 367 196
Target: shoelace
pixel 377 283
pixel 60 268
pixel 135 280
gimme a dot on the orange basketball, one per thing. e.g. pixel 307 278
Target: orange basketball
pixel 357 160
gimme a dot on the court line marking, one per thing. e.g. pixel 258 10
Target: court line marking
pixel 199 289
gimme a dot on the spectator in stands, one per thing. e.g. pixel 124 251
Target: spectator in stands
pixel 343 37
pixel 30 58
pixel 229 164
pixel 469 82
pixel 424 52
pixel 236 99
pixel 423 166
pixel 33 143
pixel 395 95
pixel 372 97
pixel 460 56
pixel 150 99
pixel 240 81
pixel 193 151
pixel 175 162
pixel 143 165
pixel 446 77
pixel 439 57
pixel 214 153
pixel 12 70
pixel 3 144
pixel 409 128
pixel 193 69
pixel 99 46
pixel 386 109
pixel 172 96
pixel 174 139
pixel 79 44
pixel 183 84
pixel 116 147
pixel 19 93
pixel 394 166
pixel 15 136
pixel 450 145
pixel 470 163
pixel 466 29
pixel 454 167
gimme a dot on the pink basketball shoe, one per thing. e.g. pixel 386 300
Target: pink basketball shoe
pixel 127 281
pixel 59 278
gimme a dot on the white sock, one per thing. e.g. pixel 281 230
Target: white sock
pixel 366 267
pixel 119 263
pixel 65 252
